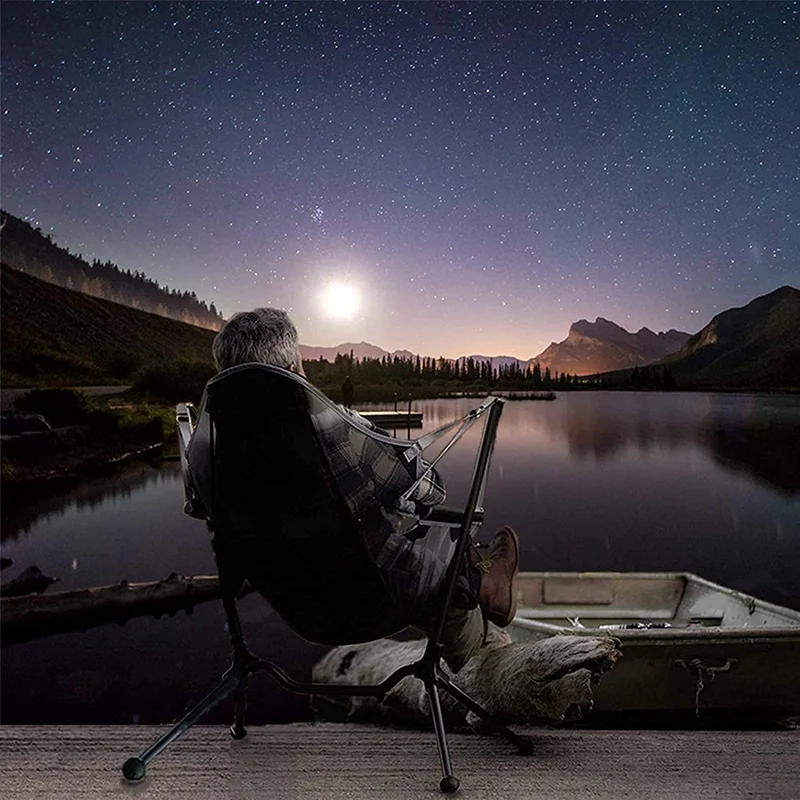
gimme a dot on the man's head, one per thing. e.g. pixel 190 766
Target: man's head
pixel 263 335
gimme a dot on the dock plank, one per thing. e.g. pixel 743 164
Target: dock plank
pixel 335 762
pixel 389 419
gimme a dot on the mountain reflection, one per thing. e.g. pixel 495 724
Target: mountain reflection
pixel 757 435
pixel 768 452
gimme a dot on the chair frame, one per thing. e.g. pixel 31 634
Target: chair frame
pixel 428 668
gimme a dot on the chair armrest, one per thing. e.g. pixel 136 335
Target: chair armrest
pixel 186 412
pixel 453 516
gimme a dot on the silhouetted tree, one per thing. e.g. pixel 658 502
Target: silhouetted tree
pixel 28 250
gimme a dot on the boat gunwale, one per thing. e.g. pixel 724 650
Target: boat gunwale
pixel 786 628
pixel 696 634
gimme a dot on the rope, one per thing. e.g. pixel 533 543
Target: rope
pixel 696 664
pixel 466 422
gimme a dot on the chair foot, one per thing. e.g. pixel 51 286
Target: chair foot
pixel 238 729
pixel 134 769
pixel 449 784
pixel 238 733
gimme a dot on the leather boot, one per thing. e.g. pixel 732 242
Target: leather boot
pixel 499 566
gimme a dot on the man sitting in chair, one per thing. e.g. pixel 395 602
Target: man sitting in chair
pixel 485 586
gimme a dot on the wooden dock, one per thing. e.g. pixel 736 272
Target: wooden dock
pixel 335 762
pixel 394 419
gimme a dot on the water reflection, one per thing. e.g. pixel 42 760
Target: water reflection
pixel 594 481
pixel 116 483
pixel 595 427
pixel 640 481
pixel 759 435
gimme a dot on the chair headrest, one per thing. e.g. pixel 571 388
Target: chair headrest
pixel 254 368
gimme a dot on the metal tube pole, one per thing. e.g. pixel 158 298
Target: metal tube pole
pixel 476 490
pixel 134 768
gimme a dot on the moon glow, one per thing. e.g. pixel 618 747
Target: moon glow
pixel 341 300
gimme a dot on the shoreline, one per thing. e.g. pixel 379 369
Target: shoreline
pixel 29 481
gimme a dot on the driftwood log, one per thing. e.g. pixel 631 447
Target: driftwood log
pixel 29 581
pixel 521 683
pixel 35 616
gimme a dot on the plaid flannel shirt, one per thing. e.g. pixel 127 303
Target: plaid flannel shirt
pixel 431 491
pixel 370 467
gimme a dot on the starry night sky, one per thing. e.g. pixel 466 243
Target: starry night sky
pixel 484 173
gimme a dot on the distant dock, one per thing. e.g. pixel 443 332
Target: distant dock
pixel 394 419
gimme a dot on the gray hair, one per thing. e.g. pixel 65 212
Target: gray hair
pixel 263 335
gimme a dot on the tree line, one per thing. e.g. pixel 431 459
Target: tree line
pixel 29 250
pixel 420 376
pixel 452 374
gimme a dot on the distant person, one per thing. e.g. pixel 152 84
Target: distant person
pixel 268 336
pixel 347 392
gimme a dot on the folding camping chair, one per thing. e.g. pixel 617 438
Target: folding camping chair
pixel 285 478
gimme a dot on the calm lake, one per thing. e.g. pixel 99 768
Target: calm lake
pixel 706 483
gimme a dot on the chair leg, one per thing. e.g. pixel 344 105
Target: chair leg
pixel 524 744
pixel 238 729
pixel 449 783
pixel 134 769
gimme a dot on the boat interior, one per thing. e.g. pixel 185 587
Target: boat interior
pixel 639 600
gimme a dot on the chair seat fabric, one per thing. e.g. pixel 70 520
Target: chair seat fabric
pixel 300 497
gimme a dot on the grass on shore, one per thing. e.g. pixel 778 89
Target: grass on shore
pixel 120 421
pixel 116 427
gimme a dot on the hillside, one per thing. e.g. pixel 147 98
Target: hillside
pixel 58 335
pixel 756 345
pixel 30 251
pixel 603 346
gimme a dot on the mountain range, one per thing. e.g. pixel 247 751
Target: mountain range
pixel 755 345
pixel 590 347
pixel 360 350
pixel 603 346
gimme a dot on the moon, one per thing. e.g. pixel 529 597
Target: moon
pixel 341 300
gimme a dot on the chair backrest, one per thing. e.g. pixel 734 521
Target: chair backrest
pixel 296 493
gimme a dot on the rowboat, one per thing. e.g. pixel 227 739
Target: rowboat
pixel 687 644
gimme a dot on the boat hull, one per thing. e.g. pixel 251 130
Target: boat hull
pixel 751 669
